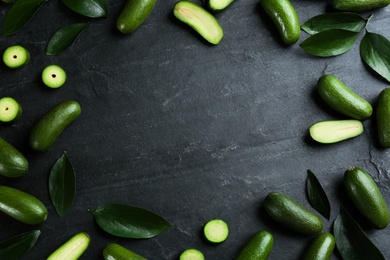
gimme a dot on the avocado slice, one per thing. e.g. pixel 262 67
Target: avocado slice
pixel 200 20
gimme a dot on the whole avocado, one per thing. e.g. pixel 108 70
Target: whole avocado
pixel 291 214
pixel 366 196
pixel 12 162
pixel 133 15
pixel 358 5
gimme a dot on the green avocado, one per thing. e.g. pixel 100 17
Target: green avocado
pixel 321 248
pixel 22 206
pixel 12 162
pixel 284 16
pixel 133 15
pixel 383 118
pixel 115 251
pixel 218 5
pixel 366 196
pixel 258 247
pixel 198 18
pixel 291 214
pixel 342 99
pixel 358 5
pixel 46 131
pixel 73 248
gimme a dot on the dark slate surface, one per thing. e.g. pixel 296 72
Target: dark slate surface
pixel 188 130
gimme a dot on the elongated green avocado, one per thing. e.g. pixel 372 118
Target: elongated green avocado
pixel 284 16
pixel 52 124
pixel 12 162
pixel 321 248
pixel 22 206
pixel 291 214
pixel 115 251
pixel 366 196
pixel 134 14
pixel 383 118
pixel 258 247
pixel 358 5
pixel 342 99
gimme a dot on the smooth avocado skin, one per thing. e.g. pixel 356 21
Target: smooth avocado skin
pixel 291 214
pixel 321 248
pixel 115 251
pixel 12 163
pixel 258 247
pixel 22 206
pixel 133 15
pixel 342 99
pixel 358 5
pixel 383 118
pixel 46 131
pixel 285 18
pixel 366 196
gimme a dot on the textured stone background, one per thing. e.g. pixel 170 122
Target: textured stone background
pixel 188 130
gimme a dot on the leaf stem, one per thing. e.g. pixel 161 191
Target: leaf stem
pixel 368 21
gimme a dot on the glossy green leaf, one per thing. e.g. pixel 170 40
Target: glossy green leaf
pixel 329 43
pixel 317 196
pixel 375 52
pixel 8 1
pixel 20 13
pixel 64 38
pixel 351 241
pixel 88 8
pixel 346 21
pixel 62 185
pixel 129 221
pixel 19 245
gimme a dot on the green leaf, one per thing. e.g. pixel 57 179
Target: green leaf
pixel 8 1
pixel 20 13
pixel 317 196
pixel 89 8
pixel 64 38
pixel 19 245
pixel 129 221
pixel 375 52
pixel 62 185
pixel 346 21
pixel 351 241
pixel 329 43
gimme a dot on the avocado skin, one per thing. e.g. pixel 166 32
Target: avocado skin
pixel 342 99
pixel 12 163
pixel 366 196
pixel 258 247
pixel 46 131
pixel 288 212
pixel 22 206
pixel 358 5
pixel 284 16
pixel 133 15
pixel 321 248
pixel 383 118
